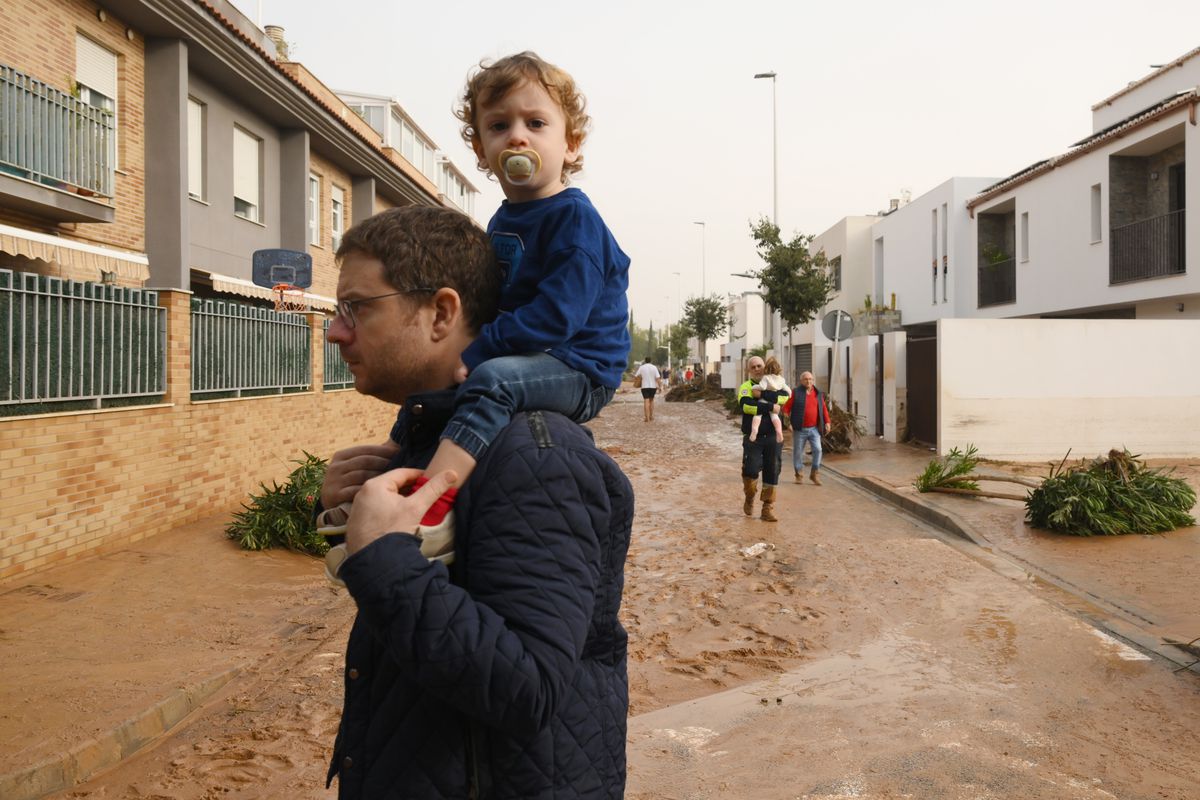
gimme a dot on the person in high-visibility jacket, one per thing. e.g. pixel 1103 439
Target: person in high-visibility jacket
pixel 763 455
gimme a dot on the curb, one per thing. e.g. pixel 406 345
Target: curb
pixel 938 519
pixel 1106 622
pixel 81 762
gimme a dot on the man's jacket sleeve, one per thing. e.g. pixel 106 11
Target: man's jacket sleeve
pixel 505 652
pixel 747 401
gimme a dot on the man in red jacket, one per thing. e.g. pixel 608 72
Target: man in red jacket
pixel 810 420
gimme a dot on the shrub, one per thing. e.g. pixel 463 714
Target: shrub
pixel 282 516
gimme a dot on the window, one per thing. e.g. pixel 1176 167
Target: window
pixel 1024 236
pixel 835 272
pixel 933 251
pixel 1097 234
pixel 314 209
pixel 945 251
pixel 96 76
pixel 196 149
pixel 247 175
pixel 337 215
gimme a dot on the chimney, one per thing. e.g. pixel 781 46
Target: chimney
pixel 893 204
pixel 275 34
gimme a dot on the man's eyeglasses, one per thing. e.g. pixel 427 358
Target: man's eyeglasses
pixel 345 308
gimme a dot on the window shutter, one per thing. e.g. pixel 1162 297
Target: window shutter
pixel 95 67
pixel 246 161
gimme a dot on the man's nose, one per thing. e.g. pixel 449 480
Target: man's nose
pixel 339 332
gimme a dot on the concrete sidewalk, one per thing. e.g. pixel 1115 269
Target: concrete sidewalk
pixel 1142 588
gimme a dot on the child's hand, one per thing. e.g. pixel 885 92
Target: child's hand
pixel 460 374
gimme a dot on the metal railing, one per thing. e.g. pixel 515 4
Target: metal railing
pixel 336 370
pixel 997 283
pixel 1151 248
pixel 54 138
pixel 240 350
pixel 82 343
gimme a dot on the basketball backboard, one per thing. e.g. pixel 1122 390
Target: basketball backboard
pixel 277 267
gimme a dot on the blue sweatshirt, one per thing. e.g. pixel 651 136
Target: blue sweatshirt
pixel 565 279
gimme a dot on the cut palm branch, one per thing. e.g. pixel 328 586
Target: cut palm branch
pixel 1110 496
pixel 955 474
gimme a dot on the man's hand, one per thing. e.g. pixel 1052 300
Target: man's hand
pixel 380 508
pixel 349 469
pixel 827 426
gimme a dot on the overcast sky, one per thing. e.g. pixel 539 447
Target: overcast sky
pixel 873 98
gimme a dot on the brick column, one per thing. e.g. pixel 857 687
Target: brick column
pixel 316 332
pixel 177 302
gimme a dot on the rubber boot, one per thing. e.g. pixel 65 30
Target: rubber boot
pixel 768 506
pixel 814 477
pixel 750 487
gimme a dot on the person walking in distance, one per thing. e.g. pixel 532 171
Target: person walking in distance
pixel 650 380
pixel 761 455
pixel 810 421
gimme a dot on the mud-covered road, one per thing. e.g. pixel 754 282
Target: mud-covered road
pixel 845 651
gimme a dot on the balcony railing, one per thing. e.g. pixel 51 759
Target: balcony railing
pixel 998 283
pixel 1151 248
pixel 54 138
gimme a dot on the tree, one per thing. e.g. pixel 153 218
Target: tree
pixel 678 345
pixel 708 318
pixel 795 282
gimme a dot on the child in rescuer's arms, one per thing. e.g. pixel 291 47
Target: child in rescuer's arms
pixel 560 341
pixel 774 389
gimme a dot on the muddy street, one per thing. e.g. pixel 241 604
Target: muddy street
pixel 845 651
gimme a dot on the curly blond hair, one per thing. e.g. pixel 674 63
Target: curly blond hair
pixel 492 81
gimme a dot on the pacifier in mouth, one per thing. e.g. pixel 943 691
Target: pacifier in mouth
pixel 520 165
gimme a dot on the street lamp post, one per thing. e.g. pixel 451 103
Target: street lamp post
pixel 703 268
pixel 774 148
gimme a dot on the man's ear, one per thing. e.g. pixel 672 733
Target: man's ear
pixel 447 313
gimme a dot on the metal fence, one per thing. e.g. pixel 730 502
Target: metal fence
pixel 240 350
pixel 337 371
pixel 997 283
pixel 53 137
pixel 84 344
pixel 1151 248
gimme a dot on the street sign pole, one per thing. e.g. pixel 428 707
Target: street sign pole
pixel 833 326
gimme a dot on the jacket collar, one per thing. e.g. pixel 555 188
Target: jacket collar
pixel 422 418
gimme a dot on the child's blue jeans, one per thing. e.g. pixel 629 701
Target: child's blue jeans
pixel 497 389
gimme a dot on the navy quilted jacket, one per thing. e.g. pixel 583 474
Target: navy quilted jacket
pixel 504 676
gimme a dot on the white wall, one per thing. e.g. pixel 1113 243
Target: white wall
pixel 1165 83
pixel 1030 390
pixel 909 252
pixel 895 389
pixel 862 389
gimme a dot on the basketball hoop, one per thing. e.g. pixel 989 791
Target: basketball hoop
pixel 287 273
pixel 288 297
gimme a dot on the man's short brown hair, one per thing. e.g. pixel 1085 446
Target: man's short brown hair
pixel 435 247
pixel 492 81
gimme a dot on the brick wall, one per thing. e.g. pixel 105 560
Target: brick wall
pixel 78 483
pixel 38 38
